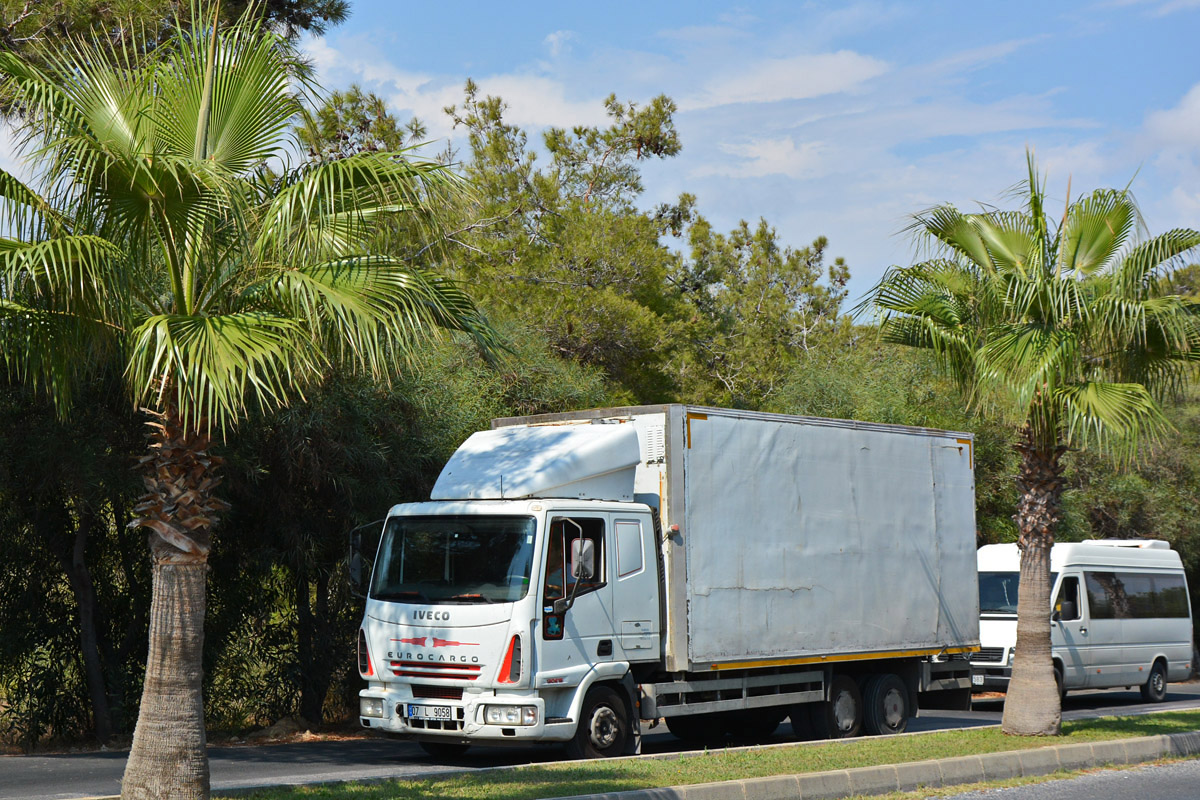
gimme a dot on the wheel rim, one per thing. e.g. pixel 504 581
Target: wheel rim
pixel 893 708
pixel 605 728
pixel 1158 681
pixel 845 712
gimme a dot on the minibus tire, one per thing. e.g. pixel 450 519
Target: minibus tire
pixel 1154 690
pixel 603 729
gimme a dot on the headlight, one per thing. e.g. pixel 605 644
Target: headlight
pixel 370 707
pixel 510 715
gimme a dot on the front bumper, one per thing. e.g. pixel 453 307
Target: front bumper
pixel 466 722
pixel 989 677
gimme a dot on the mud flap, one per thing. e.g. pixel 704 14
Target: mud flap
pixel 633 745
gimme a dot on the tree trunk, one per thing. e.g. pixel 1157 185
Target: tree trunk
pixel 1033 706
pixel 169 758
pixel 85 597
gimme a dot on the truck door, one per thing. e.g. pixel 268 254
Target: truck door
pixel 1069 632
pixel 634 565
pixel 584 634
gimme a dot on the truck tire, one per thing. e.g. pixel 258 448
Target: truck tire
pixel 1154 690
pixel 885 705
pixel 839 717
pixel 603 729
pixel 697 728
pixel 444 749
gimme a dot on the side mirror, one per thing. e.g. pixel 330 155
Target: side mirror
pixel 583 559
pixel 1067 610
pixel 364 544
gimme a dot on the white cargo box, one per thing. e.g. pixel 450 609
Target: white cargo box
pixel 795 540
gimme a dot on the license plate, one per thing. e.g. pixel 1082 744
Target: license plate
pixel 977 680
pixel 428 712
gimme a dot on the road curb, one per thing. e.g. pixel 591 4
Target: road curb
pixel 915 775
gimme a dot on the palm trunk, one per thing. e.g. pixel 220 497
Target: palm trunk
pixel 169 758
pixel 1033 706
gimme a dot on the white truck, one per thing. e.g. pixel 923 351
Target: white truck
pixel 1121 616
pixel 573 574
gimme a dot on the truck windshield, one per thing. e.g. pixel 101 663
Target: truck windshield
pixel 998 591
pixel 454 559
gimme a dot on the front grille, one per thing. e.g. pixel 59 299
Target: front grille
pixel 437 692
pixel 425 669
pixel 992 655
pixel 436 724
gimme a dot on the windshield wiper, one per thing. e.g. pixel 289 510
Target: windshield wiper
pixel 470 598
pixel 403 594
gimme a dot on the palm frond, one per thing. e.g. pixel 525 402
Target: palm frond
pixel 951 229
pixel 1138 272
pixel 371 309
pixel 1115 417
pixel 1027 360
pixel 1094 231
pixel 77 271
pixel 343 200
pixel 251 104
pixel 211 366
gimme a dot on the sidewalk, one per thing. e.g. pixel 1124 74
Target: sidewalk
pixel 921 774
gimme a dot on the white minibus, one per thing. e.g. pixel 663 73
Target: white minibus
pixel 1121 616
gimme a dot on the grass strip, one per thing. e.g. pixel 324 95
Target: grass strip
pixel 572 778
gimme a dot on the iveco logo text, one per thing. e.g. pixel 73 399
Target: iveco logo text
pixel 442 615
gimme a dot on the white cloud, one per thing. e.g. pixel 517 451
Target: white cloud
pixel 761 157
pixel 1178 126
pixel 795 78
pixel 559 42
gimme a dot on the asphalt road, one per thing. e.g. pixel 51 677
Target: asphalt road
pixel 1179 781
pixel 79 775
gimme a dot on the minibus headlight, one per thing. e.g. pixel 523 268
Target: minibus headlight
pixel 510 715
pixel 370 706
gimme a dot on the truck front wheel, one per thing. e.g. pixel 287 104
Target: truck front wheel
pixel 603 729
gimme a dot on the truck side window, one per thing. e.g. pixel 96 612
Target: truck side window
pixel 1067 604
pixel 559 581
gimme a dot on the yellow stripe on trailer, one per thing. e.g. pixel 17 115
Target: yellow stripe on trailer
pixel 790 662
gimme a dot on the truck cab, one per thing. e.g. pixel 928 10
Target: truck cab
pixel 497 620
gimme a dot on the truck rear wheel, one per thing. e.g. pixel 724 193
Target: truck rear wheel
pixel 839 717
pixel 885 705
pixel 603 729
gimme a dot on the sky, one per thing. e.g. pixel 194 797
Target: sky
pixel 833 119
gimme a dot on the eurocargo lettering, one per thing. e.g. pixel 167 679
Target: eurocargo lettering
pixel 573 574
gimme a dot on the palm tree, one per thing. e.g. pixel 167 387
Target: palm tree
pixel 1070 330
pixel 160 234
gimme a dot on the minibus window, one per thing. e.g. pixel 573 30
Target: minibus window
pixel 1067 604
